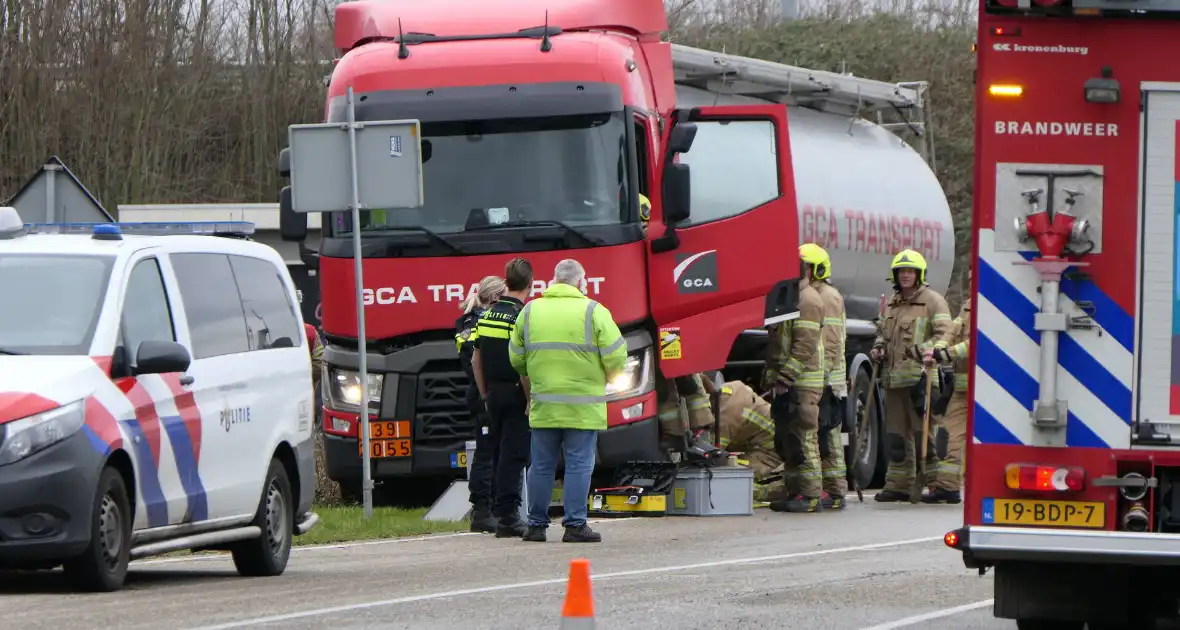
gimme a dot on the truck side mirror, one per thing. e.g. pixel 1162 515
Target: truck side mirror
pixel 292 225
pixel 681 137
pixel 677 193
pixel 285 163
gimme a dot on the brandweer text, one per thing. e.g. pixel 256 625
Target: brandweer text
pixel 1047 128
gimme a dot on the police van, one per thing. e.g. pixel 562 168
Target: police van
pixel 155 395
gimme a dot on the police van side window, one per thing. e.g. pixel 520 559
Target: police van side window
pixel 216 321
pixel 146 314
pixel 734 168
pixel 270 315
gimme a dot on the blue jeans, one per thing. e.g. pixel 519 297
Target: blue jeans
pixel 578 446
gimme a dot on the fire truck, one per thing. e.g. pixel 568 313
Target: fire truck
pixel 542 124
pixel 1072 487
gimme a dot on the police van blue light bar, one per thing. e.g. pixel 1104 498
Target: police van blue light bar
pixel 147 228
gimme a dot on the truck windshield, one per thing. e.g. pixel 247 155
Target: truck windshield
pixel 51 302
pixel 517 171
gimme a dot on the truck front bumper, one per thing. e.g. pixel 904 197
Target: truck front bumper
pixel 985 545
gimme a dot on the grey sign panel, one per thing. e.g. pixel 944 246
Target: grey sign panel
pixel 54 195
pixel 389 166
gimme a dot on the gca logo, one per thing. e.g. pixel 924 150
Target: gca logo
pixel 696 273
pixel 1002 47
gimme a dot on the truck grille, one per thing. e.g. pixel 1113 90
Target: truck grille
pixel 441 409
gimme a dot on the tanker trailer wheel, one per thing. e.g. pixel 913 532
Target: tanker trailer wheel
pixel 866 462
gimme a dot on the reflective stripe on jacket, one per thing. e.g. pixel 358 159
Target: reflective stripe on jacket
pixel 922 321
pixel 961 340
pixel 568 346
pixel 834 334
pixel 796 347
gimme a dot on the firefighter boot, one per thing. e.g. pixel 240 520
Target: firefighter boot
pixel 482 520
pixel 800 504
pixel 938 495
pixel 891 496
pixel 832 501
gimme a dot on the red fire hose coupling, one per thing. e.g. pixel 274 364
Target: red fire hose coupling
pixel 1052 233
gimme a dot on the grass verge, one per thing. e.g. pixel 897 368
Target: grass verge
pixel 348 523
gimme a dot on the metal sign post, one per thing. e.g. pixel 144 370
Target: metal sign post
pixel 388 177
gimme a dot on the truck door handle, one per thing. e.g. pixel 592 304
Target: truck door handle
pixel 185 379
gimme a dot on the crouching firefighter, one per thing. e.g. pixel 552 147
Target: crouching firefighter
pixel 917 322
pixel 748 431
pixel 834 400
pixel 686 416
pixel 950 439
pixel 795 375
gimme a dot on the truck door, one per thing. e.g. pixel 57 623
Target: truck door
pixel 728 257
pixel 1158 323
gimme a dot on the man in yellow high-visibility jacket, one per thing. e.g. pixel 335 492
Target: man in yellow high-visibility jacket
pixel 566 348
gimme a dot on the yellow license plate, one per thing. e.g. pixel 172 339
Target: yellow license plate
pixel 459 459
pixel 381 449
pixel 1087 514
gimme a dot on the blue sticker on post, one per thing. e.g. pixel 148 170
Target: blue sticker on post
pixel 989 511
pixel 395 146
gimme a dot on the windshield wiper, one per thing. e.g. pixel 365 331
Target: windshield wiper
pixel 586 238
pixel 430 233
pixel 13 353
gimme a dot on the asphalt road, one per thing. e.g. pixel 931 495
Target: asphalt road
pixel 872 566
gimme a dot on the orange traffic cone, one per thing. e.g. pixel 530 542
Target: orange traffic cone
pixel 578 611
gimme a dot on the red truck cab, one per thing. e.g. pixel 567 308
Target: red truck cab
pixel 541 126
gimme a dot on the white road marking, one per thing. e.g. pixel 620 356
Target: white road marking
pixel 520 585
pixel 930 616
pixel 350 545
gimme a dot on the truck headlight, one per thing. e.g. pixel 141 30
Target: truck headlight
pixel 638 377
pixel 26 436
pixel 344 389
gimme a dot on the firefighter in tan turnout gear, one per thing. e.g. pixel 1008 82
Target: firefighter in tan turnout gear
pixel 747 430
pixel 917 323
pixel 951 437
pixel 831 446
pixel 795 375
pixel 699 423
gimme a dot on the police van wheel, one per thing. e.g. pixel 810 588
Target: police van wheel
pixel 103 566
pixel 267 555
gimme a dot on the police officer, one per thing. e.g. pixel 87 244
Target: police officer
pixel 795 374
pixel 480 480
pixel 917 322
pixel 951 437
pixel 831 446
pixel 504 397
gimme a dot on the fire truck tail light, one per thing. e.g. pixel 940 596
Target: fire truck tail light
pixel 1045 478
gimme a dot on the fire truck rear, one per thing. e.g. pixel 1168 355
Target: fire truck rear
pixel 1073 480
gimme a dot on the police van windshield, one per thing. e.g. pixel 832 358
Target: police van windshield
pixel 484 173
pixel 51 302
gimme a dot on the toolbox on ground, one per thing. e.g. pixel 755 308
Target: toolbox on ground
pixel 713 491
pixel 640 489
